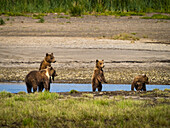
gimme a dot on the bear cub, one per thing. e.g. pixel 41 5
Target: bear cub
pixel 98 76
pixel 49 58
pixel 39 79
pixel 139 83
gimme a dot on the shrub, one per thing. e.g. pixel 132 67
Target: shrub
pixel 76 11
pixel 125 36
pixel 74 91
pixel 2 22
pixel 41 20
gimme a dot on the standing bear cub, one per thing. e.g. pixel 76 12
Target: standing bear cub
pixel 98 76
pixel 49 58
pixel 39 79
pixel 139 83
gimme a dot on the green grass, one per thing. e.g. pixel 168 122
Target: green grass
pixel 79 7
pixel 157 16
pixel 14 14
pixel 120 13
pixel 52 110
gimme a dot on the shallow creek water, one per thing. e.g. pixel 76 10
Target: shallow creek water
pixel 63 87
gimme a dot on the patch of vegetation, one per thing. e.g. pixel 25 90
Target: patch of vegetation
pixel 41 20
pixel 32 6
pixel 47 110
pixel 5 94
pixel 68 22
pixel 166 89
pixel 38 16
pixel 7 19
pixel 76 11
pixel 73 91
pixel 119 13
pixel 2 22
pixel 13 14
pixel 157 16
pixel 125 36
pixel 88 95
pixel 21 92
pixel 156 93
pixel 61 16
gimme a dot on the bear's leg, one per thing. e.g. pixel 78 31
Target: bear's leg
pixel 93 87
pixel 100 87
pixel 29 87
pixel 40 88
pixel 136 87
pixel 34 87
pixel 49 84
pixel 46 85
pixel 144 87
pixel 132 86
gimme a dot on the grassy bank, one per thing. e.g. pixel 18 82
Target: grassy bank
pixel 54 110
pixel 78 7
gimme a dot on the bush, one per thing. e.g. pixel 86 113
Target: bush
pixel 2 22
pixel 76 11
pixel 73 91
pixel 41 20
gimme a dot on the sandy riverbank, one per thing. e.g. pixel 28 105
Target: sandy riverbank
pixel 77 44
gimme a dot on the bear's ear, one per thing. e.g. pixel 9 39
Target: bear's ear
pixel 97 61
pixel 51 53
pixel 144 75
pixel 46 54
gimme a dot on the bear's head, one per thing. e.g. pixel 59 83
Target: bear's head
pixel 145 79
pixel 139 85
pixel 100 64
pixel 50 58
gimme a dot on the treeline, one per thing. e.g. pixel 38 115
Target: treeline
pixel 85 6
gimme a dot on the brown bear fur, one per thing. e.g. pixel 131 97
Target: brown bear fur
pixel 39 79
pixel 139 83
pixel 98 76
pixel 49 58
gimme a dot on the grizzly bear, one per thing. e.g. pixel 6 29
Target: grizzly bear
pixel 39 79
pixel 52 75
pixel 49 58
pixel 98 76
pixel 139 83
